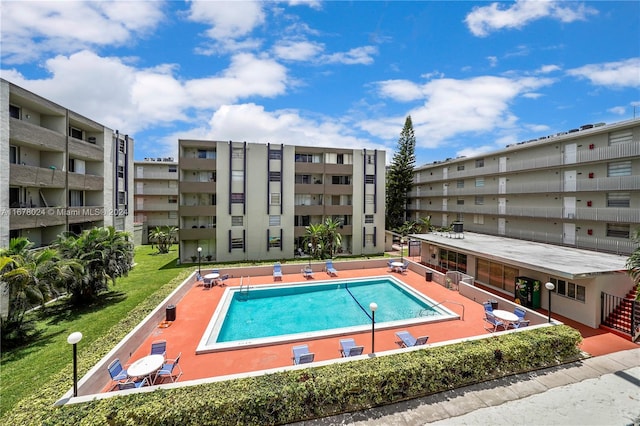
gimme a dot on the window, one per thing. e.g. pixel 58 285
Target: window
pixel 340 159
pixel 619 168
pixel 302 221
pixel 479 182
pixel 304 158
pixel 303 179
pixel 275 154
pixel 369 159
pixel 368 218
pixel 274 220
pixel 341 180
pixel 237 153
pixel 122 147
pixel 75 133
pixel 619 199
pixel 172 199
pixel 14 111
pixel 370 179
pixel 480 162
pixel 274 176
pixel 618 230
pixel 274 199
pixel 202 153
pixel 172 215
pixel 237 175
pixel 369 199
pixel 275 242
pixel 368 240
pixel 237 243
pixel 460 184
pixel 76 198
pixel 460 167
pixel 236 220
pixel 479 200
pixel 622 136
pixel 237 197
pixel 460 202
pixel 569 289
pixel 214 199
pixel 13 154
pixel 72 165
pixel 121 171
pixel 122 197
pixel 173 169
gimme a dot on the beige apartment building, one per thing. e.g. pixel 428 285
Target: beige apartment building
pixel 59 171
pixel 156 194
pixel 248 201
pixel 560 209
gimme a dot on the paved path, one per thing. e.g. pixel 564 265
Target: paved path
pixel 603 390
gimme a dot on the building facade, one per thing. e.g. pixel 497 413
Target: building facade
pixel 247 201
pixel 156 194
pixel 579 189
pixel 59 171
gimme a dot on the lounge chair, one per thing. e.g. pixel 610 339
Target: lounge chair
pixel 330 269
pixel 493 322
pixel 521 313
pixel 348 347
pixel 117 373
pixel 133 384
pixel 277 272
pixel 170 369
pixel 407 339
pixel 519 324
pixel 159 347
pixel 301 354
pixel 307 272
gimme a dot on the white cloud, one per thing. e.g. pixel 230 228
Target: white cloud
pixel 228 19
pixel 485 19
pixel 613 74
pixel 290 50
pixel 618 110
pixel 453 108
pixel 31 29
pixel 358 55
pixel 493 61
pixel 546 69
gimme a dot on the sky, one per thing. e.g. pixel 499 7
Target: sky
pixel 473 76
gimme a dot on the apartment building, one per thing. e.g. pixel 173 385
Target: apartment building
pixel 156 193
pixel 59 171
pixel 560 209
pixel 579 188
pixel 248 201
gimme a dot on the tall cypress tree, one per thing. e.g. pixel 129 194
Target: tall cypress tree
pixel 400 177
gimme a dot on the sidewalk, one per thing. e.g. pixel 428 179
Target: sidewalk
pixel 602 390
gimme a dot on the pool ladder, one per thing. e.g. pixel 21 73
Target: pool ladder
pixel 244 289
pixel 426 311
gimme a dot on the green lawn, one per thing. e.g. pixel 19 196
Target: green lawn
pixel 27 368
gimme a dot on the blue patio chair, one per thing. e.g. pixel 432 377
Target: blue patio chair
pixel 407 339
pixel 133 384
pixel 493 322
pixel 521 313
pixel 159 347
pixel 330 269
pixel 403 268
pixel 171 369
pixel 348 347
pixel 488 307
pixel 390 266
pixel 307 272
pixel 117 373
pixel 519 324
pixel 301 354
pixel 277 271
pixel 222 279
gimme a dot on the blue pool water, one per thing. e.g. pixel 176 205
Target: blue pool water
pixel 300 310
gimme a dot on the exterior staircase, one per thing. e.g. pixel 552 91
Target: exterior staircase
pixel 621 315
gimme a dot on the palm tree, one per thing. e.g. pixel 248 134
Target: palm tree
pixel 17 296
pixel 164 237
pixel 313 236
pixel 331 236
pixel 633 264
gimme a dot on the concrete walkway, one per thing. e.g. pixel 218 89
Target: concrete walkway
pixel 602 390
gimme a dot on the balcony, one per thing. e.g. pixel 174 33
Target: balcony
pixel 609 214
pixel 197 187
pixel 309 168
pixel 85 182
pixel 85 150
pixel 157 206
pixel 156 190
pixel 204 210
pixel 619 183
pixel 23 175
pixel 309 210
pixel 40 138
pixel 338 169
pixel 197 164
pixel 23 218
pixel 85 214
pixel 208 233
pixel 309 188
pixel 338 210
pixel 331 189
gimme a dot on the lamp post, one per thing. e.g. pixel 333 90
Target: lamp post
pixel 373 306
pixel 310 247
pixel 199 256
pixel 401 249
pixel 550 287
pixel 73 339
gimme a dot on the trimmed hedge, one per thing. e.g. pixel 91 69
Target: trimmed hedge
pixel 291 396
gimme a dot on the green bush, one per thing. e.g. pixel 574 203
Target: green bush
pixel 314 392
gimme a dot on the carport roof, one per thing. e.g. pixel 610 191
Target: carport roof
pixel 555 260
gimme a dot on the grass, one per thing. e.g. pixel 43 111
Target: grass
pixel 26 368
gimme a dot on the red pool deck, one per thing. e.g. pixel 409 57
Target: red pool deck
pixel 194 312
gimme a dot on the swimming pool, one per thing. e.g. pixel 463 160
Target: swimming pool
pixel 278 313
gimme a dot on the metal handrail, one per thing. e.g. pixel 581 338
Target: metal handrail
pixel 449 301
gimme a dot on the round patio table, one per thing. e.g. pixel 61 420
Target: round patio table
pixel 145 366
